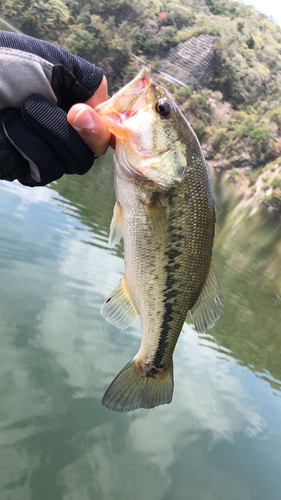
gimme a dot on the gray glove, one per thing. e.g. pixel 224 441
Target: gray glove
pixel 39 84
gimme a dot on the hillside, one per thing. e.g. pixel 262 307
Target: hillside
pixel 233 102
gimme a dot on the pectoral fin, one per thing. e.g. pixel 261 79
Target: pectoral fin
pixel 207 310
pixel 118 309
pixel 158 220
pixel 115 226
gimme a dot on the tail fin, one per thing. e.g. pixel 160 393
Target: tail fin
pixel 132 389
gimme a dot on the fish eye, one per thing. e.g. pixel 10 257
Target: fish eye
pixel 163 108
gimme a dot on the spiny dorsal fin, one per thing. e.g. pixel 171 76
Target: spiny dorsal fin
pixel 118 308
pixel 207 310
pixel 158 220
pixel 115 226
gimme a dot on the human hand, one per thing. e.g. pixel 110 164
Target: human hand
pixel 89 125
pixel 39 84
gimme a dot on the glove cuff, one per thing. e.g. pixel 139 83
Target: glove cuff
pixel 72 78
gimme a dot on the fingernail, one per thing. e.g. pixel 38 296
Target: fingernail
pixel 84 119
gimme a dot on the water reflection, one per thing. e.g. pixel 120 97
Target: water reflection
pixel 220 438
pixel 248 261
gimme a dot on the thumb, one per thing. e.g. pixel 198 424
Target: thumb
pixel 90 127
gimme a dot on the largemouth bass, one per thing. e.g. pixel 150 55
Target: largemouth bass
pixel 166 215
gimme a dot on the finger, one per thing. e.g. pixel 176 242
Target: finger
pixel 90 127
pixel 100 94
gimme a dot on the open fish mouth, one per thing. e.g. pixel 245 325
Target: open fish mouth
pixel 148 144
pixel 126 102
pixel 134 92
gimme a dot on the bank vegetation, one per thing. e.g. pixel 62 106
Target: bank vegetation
pixel 237 118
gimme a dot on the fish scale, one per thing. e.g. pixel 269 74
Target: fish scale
pixel 165 213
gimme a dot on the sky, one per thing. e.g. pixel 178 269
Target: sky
pixel 270 8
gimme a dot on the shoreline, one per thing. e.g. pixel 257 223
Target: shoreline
pixel 262 185
pixel 260 191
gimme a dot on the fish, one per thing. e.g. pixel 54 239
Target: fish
pixel 165 213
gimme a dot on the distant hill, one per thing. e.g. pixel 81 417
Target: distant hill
pixel 234 104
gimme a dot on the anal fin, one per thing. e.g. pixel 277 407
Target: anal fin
pixel 207 310
pixel 115 226
pixel 118 308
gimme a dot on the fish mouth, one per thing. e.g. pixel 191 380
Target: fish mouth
pixel 133 92
pixel 125 103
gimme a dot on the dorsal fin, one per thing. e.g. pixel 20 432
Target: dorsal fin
pixel 207 310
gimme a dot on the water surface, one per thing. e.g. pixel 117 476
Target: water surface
pixel 220 438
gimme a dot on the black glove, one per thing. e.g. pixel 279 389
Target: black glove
pixel 39 82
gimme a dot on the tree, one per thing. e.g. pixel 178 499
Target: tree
pixel 250 42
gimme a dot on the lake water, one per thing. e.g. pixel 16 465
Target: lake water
pixel 219 439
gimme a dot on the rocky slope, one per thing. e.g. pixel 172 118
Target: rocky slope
pixel 227 55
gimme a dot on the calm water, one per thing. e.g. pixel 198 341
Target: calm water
pixel 220 438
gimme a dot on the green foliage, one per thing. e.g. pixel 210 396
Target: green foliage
pixel 275 115
pixel 220 7
pixel 200 105
pixel 275 199
pixel 240 26
pixel 265 186
pixel 180 19
pixel 248 46
pixel 38 16
pixel 276 182
pixel 200 130
pixel 183 93
pixel 152 39
pixel 220 141
pixel 157 65
pixel 239 116
pixel 253 175
pixel 242 139
pixel 84 19
pixel 250 42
